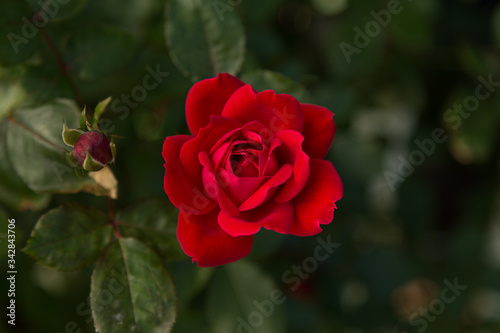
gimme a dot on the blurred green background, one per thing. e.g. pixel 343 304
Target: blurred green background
pixel 400 240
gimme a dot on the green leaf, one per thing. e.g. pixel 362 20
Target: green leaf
pixel 240 289
pixel 69 237
pixel 13 192
pixel 20 37
pixel 132 291
pixel 264 79
pixel 99 110
pixel 35 147
pixel 36 81
pixel 12 93
pixel 154 223
pixel 204 37
pixel 98 51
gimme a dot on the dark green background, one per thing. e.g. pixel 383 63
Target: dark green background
pixel 397 248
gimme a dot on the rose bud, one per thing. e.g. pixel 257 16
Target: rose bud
pixel 93 151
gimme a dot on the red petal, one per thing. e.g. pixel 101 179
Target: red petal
pixel 319 130
pixel 272 216
pixel 314 205
pixel 207 98
pixel 297 180
pixel 277 112
pixel 290 151
pixel 235 226
pixel 239 189
pixel 206 139
pixel 202 239
pixel 182 192
pixel 266 190
pixel 212 186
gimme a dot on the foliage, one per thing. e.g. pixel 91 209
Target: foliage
pixel 420 207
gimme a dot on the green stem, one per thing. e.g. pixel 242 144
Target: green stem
pixel 111 216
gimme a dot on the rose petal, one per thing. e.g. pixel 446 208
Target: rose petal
pixel 219 157
pixel 297 180
pixel 242 158
pixel 239 189
pixel 243 130
pixel 257 132
pixel 207 98
pixel 314 205
pixel 266 190
pixel 290 151
pixel 207 137
pixel 277 112
pixel 202 238
pixel 272 216
pixel 212 186
pixel 182 192
pixel 289 146
pixel 319 130
pixel 269 163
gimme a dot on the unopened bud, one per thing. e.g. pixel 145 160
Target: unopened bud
pixel 93 151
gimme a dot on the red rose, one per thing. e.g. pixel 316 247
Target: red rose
pixel 253 160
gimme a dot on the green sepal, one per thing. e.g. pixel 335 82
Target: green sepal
pixel 74 163
pixel 81 173
pixel 72 160
pixel 90 164
pixel 113 148
pixel 70 136
pixel 83 119
pixel 99 110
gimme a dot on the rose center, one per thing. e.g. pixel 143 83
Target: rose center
pixel 237 160
pixel 244 159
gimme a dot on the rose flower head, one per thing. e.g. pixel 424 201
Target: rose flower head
pixel 253 159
